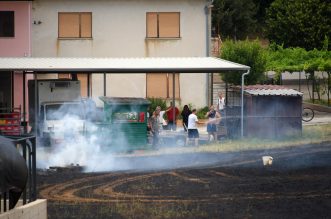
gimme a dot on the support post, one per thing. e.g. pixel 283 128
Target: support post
pixel 242 102
pixel 24 104
pixel 36 109
pixel 173 100
pixel 88 85
pixel 211 89
pixel 104 84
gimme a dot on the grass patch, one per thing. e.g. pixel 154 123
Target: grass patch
pixel 310 134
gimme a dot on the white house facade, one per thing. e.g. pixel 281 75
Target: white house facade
pixel 126 28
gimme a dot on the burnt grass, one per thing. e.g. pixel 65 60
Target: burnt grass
pixel 297 185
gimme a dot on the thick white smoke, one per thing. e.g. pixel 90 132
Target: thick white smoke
pixel 75 139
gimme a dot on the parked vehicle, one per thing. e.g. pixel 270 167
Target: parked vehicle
pixel 51 104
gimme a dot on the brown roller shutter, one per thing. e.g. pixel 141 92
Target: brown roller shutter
pixel 68 25
pixel 151 24
pixel 156 85
pixel 169 24
pixel 83 84
pixel 86 25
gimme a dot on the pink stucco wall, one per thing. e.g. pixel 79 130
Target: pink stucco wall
pixel 20 45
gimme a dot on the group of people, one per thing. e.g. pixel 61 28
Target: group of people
pixel 190 120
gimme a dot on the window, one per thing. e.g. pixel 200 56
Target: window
pixel 162 25
pixel 75 25
pixel 7 24
pixel 160 85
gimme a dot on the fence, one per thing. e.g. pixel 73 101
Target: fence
pixel 315 86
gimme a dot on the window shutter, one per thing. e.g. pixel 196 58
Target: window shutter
pixel 156 85
pixel 86 25
pixel 68 25
pixel 151 24
pixel 83 84
pixel 169 24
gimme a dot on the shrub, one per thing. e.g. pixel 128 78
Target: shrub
pixel 156 102
pixel 248 53
pixel 202 112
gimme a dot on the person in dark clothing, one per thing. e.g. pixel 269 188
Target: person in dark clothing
pixel 185 113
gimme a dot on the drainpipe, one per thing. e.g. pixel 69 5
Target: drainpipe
pixel 242 102
pixel 208 8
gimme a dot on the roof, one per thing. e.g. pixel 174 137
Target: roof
pixel 119 65
pixel 271 90
pixel 124 101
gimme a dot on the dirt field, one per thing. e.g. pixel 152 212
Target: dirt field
pixel 218 185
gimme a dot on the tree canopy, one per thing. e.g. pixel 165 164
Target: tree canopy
pixel 234 19
pixel 304 23
pixel 248 53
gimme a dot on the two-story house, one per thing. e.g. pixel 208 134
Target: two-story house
pixel 126 28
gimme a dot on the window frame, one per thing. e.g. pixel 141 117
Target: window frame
pixel 80 26
pixel 13 31
pixel 158 25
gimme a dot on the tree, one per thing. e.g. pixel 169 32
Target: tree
pixel 260 15
pixel 281 59
pixel 248 53
pixel 233 19
pixel 304 23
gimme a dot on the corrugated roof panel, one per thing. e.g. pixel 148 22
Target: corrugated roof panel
pixel 276 92
pixel 119 65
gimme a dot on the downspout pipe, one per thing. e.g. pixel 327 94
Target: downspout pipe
pixel 208 7
pixel 242 102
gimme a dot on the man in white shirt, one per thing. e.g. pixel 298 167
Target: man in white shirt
pixel 192 128
pixel 221 103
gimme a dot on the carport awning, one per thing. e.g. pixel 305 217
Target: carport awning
pixel 120 65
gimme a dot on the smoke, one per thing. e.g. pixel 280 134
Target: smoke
pixel 74 137
pixel 87 141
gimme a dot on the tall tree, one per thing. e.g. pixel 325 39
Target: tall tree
pixel 260 16
pixel 304 23
pixel 234 19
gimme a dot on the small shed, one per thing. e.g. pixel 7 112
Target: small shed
pixel 126 122
pixel 272 111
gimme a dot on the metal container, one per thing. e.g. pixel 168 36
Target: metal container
pixel 126 122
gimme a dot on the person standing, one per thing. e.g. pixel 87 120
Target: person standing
pixel 155 126
pixel 212 116
pixel 185 114
pixel 170 114
pixel 192 128
pixel 221 103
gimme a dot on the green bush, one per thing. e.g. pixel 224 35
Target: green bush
pixel 156 102
pixel 202 112
pixel 246 52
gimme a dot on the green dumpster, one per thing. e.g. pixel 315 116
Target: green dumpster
pixel 127 122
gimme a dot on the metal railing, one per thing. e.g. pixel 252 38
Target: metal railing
pixel 26 144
